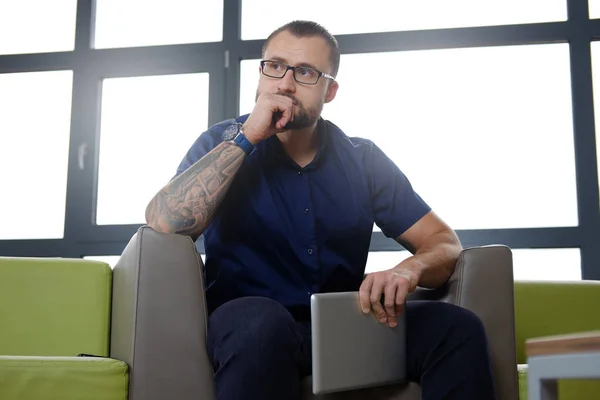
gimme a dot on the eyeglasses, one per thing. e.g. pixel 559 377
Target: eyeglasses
pixel 305 75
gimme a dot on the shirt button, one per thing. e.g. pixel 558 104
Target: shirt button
pixel 299 172
pixel 310 251
pixel 306 211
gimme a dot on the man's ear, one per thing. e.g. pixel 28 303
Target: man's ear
pixel 331 91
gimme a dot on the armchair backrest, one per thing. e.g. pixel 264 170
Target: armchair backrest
pixel 54 307
pixel 482 282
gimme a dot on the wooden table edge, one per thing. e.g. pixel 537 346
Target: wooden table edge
pixel 563 344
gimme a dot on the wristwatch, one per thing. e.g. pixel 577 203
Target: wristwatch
pixel 234 134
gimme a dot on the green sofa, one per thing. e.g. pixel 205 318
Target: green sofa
pixel 51 311
pixel 75 329
pixel 552 308
pixel 142 326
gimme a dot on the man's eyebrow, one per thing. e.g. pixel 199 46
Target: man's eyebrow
pixel 299 65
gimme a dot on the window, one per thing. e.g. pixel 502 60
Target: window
pixel 528 264
pixel 147 126
pixel 384 260
pixel 112 260
pixel 484 134
pixel 547 264
pixel 594 8
pixel 358 16
pixel 37 26
pixel 128 23
pixel 595 47
pixel 34 148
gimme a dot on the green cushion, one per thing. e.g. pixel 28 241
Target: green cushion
pixel 575 389
pixel 54 307
pixel 553 308
pixel 65 378
pixel 522 370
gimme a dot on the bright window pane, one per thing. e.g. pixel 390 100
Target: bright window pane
pixel 528 264
pixel 110 260
pixel 34 153
pixel 484 134
pixel 130 23
pixel 358 16
pixel 547 264
pixel 147 126
pixel 596 85
pixel 594 7
pixel 37 26
pixel 384 260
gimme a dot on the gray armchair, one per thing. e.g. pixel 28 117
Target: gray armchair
pixel 158 284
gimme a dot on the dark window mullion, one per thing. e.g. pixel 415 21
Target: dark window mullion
pixel 588 201
pixel 84 109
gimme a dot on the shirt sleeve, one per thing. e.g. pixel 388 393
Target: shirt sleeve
pixel 207 141
pixel 396 206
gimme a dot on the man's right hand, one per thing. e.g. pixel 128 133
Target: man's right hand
pixel 270 115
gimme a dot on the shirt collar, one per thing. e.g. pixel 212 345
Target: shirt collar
pixel 276 148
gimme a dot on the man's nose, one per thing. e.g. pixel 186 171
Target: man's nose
pixel 287 83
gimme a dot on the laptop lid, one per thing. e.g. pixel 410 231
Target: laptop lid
pixel 352 350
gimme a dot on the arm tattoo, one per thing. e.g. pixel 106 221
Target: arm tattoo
pixel 187 204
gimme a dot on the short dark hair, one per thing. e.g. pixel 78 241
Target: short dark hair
pixel 307 29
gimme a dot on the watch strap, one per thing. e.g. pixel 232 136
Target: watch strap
pixel 241 140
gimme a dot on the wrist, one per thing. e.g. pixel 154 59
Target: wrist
pixel 411 271
pixel 250 135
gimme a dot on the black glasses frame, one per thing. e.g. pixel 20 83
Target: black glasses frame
pixel 289 67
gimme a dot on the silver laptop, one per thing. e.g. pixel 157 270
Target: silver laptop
pixel 352 350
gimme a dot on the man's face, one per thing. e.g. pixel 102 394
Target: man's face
pixel 307 52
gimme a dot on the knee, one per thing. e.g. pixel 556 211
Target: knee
pixel 466 321
pixel 466 325
pixel 453 319
pixel 253 321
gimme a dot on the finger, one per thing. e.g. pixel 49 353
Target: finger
pixel 288 113
pixel 364 293
pixel 375 299
pixel 284 105
pixel 285 117
pixel 401 294
pixel 389 296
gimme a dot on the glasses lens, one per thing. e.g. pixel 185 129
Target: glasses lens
pixel 306 75
pixel 274 69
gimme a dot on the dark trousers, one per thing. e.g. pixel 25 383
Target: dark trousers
pixel 259 351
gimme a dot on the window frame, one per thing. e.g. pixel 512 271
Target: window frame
pixel 222 61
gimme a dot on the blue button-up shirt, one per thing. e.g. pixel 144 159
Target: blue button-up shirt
pixel 285 232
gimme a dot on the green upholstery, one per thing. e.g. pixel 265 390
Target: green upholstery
pixel 51 310
pixel 522 371
pixel 65 378
pixel 54 307
pixel 552 308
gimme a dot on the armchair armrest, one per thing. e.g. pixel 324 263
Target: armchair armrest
pixel 159 319
pixel 483 283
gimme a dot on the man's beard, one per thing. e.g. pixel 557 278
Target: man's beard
pixel 303 118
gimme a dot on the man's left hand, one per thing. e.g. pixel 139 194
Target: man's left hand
pixel 395 284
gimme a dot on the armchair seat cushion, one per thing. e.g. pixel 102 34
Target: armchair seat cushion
pixel 568 389
pixel 65 378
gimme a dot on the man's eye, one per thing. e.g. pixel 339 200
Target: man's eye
pixel 306 72
pixel 275 65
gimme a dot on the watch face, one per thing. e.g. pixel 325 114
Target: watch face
pixel 231 132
